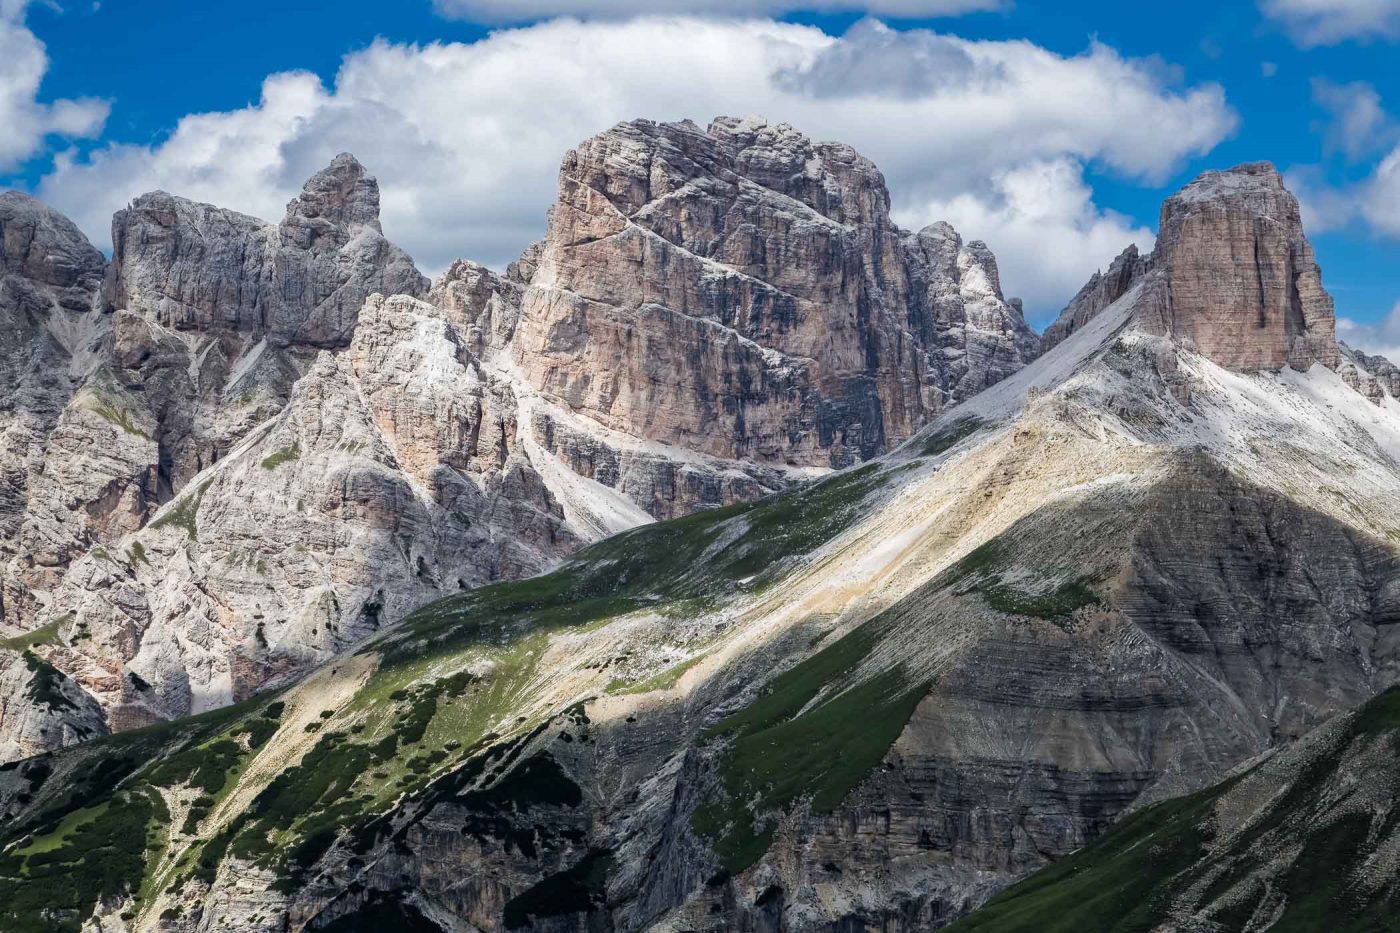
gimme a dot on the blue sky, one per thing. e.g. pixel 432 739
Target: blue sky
pixel 464 129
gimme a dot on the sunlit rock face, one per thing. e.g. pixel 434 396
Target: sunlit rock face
pixel 742 292
pixel 1232 274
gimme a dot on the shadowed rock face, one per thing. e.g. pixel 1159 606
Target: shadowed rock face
pixel 197 267
pixel 1232 273
pixel 1303 839
pixel 742 292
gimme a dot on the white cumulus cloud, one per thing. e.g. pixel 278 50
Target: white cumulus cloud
pixel 1328 22
pixel 1379 197
pixel 1357 124
pixel 466 139
pixel 1382 336
pixel 25 121
pixel 516 11
pixel 1040 220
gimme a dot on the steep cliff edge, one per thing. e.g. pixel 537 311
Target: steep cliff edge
pixel 742 292
pixel 1232 273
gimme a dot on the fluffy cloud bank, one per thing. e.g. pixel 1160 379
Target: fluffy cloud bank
pixel 24 121
pixel 1358 126
pixel 466 138
pixel 1382 336
pixel 1328 22
pixel 515 11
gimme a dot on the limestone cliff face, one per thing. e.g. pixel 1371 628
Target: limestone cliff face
pixel 191 266
pixel 1232 273
pixel 224 311
pixel 231 456
pixel 742 292
pixel 1244 285
pixel 393 476
pixel 1246 854
pixel 49 276
pixel 205 320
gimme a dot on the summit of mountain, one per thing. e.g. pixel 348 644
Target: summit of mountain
pixel 1232 274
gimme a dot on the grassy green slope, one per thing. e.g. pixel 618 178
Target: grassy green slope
pixel 104 827
pixel 1310 854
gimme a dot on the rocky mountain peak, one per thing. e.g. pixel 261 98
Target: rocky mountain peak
pixel 1102 290
pixel 197 267
pixel 45 250
pixel 1243 281
pixel 1233 274
pixel 743 292
pixel 832 178
pixel 976 255
pixel 341 196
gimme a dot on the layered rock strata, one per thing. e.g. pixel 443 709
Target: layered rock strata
pixel 1232 273
pixel 742 292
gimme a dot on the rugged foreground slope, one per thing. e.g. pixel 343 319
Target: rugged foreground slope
pixel 240 447
pixel 868 703
pixel 1305 840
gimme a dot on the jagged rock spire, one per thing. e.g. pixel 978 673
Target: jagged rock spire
pixel 341 195
pixel 1243 281
pixel 1232 273
pixel 196 266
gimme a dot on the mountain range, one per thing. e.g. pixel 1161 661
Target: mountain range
pixel 735 560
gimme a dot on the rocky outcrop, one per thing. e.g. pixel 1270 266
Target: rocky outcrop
pixel 45 260
pixel 1232 273
pixel 225 311
pixel 195 267
pixel 1372 375
pixel 1244 285
pixel 1102 290
pixel 393 476
pixel 741 292
pixel 484 307
pixel 41 708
